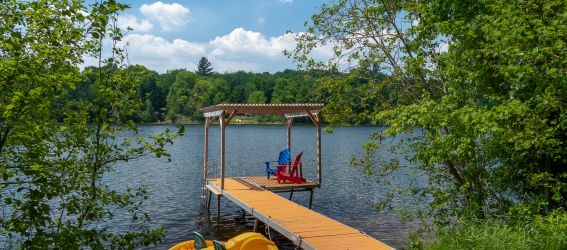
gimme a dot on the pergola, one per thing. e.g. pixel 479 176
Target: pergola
pixel 226 112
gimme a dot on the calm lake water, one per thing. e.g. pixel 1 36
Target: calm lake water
pixel 346 194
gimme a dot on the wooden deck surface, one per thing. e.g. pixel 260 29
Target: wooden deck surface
pixel 272 183
pixel 304 227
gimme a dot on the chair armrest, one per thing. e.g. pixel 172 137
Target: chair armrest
pixel 281 167
pixel 268 163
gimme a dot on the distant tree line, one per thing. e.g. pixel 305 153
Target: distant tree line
pixel 177 95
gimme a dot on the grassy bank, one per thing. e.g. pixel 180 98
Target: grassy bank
pixel 535 232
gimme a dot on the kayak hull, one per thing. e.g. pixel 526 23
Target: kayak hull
pixel 190 245
pixel 244 241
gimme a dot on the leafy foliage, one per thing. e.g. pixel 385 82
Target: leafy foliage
pixel 62 130
pixel 257 97
pixel 478 86
pixel 178 95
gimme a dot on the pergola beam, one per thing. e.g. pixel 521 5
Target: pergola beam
pixel 213 113
pixel 232 115
pixel 295 115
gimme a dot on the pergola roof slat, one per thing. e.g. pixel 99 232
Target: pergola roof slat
pixel 287 109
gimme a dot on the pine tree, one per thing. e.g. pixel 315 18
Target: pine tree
pixel 204 68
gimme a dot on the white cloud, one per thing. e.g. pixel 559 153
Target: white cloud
pixel 241 41
pixel 261 19
pixel 239 50
pixel 157 53
pixel 127 20
pixel 169 16
pixel 286 1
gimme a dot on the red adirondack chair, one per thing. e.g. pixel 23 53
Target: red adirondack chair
pixel 296 173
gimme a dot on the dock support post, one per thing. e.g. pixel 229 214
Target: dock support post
pixel 242 213
pixel 209 202
pixel 218 208
pixel 310 198
pixel 255 225
pixel 291 194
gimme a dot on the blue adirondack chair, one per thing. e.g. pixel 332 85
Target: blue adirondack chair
pixel 284 158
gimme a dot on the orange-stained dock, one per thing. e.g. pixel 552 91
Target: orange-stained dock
pixel 304 227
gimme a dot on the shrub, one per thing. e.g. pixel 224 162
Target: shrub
pixel 536 232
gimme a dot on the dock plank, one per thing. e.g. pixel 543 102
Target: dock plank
pixel 303 226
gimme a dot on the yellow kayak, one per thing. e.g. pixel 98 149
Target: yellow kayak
pixel 250 241
pixel 245 241
pixel 190 245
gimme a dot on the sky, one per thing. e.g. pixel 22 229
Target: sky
pixel 234 35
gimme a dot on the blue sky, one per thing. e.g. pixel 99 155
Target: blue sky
pixel 235 35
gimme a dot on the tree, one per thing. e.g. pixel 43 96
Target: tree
pixel 483 82
pixel 57 140
pixel 200 97
pixel 204 68
pixel 164 82
pixel 148 82
pixel 220 90
pixel 257 97
pixel 148 115
pixel 179 93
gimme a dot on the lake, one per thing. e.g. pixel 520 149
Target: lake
pixel 346 194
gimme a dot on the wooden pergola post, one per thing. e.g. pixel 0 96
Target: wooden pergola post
pixel 288 123
pixel 223 128
pixel 316 119
pixel 319 177
pixel 208 121
pixel 224 121
pixel 225 113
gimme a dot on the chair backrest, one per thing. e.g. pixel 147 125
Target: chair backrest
pixel 285 157
pixel 297 161
pixel 199 241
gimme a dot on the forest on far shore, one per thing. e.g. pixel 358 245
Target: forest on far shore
pixel 177 95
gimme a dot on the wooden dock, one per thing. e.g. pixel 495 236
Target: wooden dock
pixel 304 227
pixel 272 183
